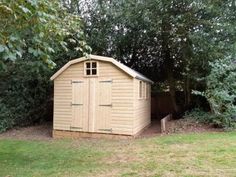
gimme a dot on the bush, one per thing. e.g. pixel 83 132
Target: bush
pixel 6 120
pixel 221 92
pixel 25 93
pixel 220 121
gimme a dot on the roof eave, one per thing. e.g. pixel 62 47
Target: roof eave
pixel 144 79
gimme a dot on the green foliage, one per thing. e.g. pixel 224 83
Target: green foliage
pixel 25 94
pixel 219 81
pixel 169 41
pixel 32 33
pixel 221 89
pixel 37 29
pixel 221 86
pixel 6 120
pixel 221 121
pixel 221 92
pixel 199 115
pixel 133 31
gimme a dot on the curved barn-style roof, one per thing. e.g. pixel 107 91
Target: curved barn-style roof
pixel 121 66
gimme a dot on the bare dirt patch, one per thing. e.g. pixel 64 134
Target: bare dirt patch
pixel 189 125
pixel 153 130
pixel 44 131
pixel 38 132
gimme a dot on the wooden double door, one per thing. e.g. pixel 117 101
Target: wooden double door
pixel 91 105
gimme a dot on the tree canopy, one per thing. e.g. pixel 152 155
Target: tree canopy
pixel 37 29
pixel 34 35
pixel 171 41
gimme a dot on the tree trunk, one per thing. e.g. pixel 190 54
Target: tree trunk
pixel 171 83
pixel 187 92
pixel 168 61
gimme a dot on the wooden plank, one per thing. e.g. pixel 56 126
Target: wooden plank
pixel 103 97
pixel 80 104
pixel 164 123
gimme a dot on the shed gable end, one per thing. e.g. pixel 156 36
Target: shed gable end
pixel 119 65
pixel 104 69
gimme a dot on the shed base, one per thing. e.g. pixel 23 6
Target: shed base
pixel 142 130
pixel 74 135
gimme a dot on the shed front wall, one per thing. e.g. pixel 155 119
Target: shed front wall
pixel 142 108
pixel 122 98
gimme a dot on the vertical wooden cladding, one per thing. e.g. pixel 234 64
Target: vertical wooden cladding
pixel 79 105
pixel 104 106
pixel 63 97
pixel 121 98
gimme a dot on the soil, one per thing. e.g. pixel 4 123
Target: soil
pixel 153 130
pixel 38 132
pixel 44 131
pixel 189 125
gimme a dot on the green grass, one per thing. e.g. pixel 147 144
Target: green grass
pixel 207 154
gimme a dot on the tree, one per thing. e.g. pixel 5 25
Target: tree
pixel 32 33
pixel 37 29
pixel 150 36
pixel 170 41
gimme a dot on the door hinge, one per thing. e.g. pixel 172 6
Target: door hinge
pixel 106 81
pixel 74 104
pixel 106 130
pixel 108 105
pixel 79 128
pixel 76 82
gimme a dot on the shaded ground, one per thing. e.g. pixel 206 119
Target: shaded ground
pixel 39 132
pixel 44 132
pixel 189 125
pixel 153 130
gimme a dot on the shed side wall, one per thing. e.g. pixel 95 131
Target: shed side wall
pixel 142 108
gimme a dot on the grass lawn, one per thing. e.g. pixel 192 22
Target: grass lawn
pixel 207 154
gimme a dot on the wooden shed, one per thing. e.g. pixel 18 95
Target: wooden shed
pixel 98 96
